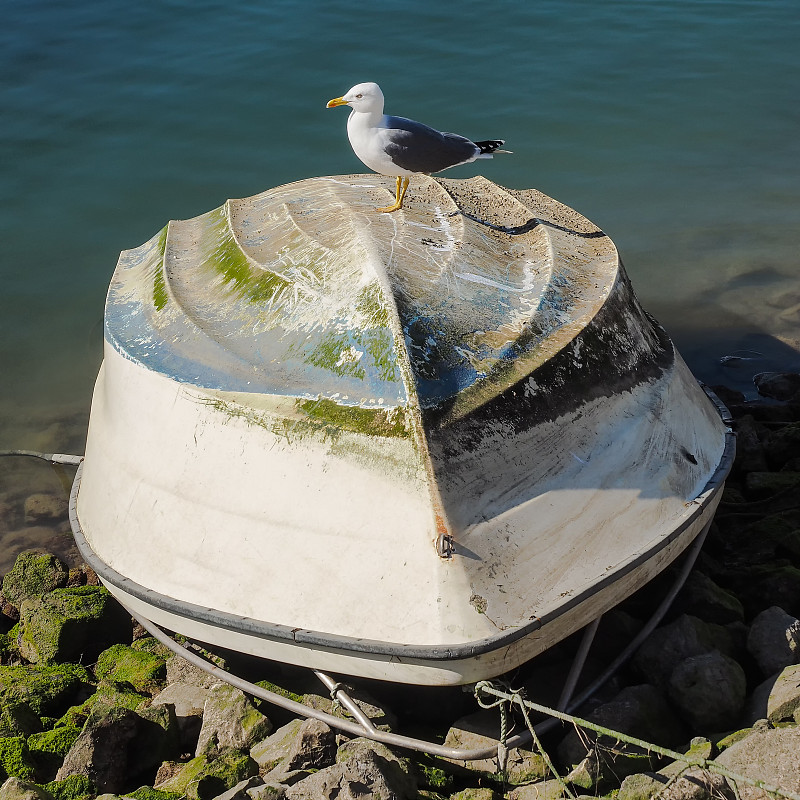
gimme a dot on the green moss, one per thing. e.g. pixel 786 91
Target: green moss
pixel 149 644
pixel 160 296
pixel 33 573
pixel 74 787
pixel 123 664
pixel 369 421
pixel 222 253
pixel 434 777
pixel 57 740
pixel 275 689
pixel 147 793
pixel 15 758
pixel 44 688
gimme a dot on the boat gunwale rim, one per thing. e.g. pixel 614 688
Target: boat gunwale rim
pixel 438 653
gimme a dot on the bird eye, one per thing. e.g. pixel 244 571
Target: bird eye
pixel 359 96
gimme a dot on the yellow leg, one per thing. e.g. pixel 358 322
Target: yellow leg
pixel 399 196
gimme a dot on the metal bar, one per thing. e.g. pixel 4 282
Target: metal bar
pixel 578 663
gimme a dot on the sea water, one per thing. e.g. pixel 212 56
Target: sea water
pixel 673 125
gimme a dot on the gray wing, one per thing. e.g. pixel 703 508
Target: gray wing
pixel 419 148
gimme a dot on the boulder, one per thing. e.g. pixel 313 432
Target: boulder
pixel 669 645
pixel 480 793
pixel 230 720
pixel 777 385
pixel 188 701
pixel 267 791
pixel 481 730
pixel 241 790
pixel 71 624
pixel 204 777
pixel 784 697
pixel 364 769
pixel 639 711
pixel 16 789
pixel 47 689
pixel 697 784
pixel 774 640
pixel 641 786
pixel 121 663
pixel 762 485
pixel 605 766
pixel 118 746
pixel 708 691
pixel 703 598
pixel 33 573
pixel 18 719
pixel 298 746
pixel 750 455
pixel 769 755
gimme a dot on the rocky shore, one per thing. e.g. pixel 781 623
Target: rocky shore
pixel 92 706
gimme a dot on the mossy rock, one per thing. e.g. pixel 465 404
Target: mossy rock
pixel 73 787
pixel 203 778
pixel 120 663
pixel 8 644
pixel 433 776
pixel 149 644
pixel 57 740
pixel 49 748
pixel 71 624
pixel 46 688
pixel 15 759
pixel 16 788
pixel 18 719
pixel 108 695
pixel 33 573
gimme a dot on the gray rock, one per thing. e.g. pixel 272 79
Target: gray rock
pixel 267 791
pixel 708 691
pixel 697 784
pixel 639 711
pixel 270 752
pixel 481 730
pixel 777 385
pixel 604 767
pixel 240 791
pixel 101 750
pixel 768 755
pixel 774 640
pixel 230 720
pixel 16 789
pixel 296 748
pixel 188 701
pixel 481 793
pixel 668 645
pixel 784 697
pixel 642 786
pixel 116 745
pixel 179 670
pixel 382 718
pixel 365 769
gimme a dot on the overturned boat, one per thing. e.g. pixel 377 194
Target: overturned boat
pixel 421 447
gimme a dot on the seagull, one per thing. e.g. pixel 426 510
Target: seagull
pixel 402 147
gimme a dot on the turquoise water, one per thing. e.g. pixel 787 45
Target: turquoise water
pixel 672 125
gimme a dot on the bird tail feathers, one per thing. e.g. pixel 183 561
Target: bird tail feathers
pixel 491 146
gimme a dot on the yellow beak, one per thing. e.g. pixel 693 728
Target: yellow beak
pixel 337 101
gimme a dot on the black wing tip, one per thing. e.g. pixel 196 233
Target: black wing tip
pixel 490 145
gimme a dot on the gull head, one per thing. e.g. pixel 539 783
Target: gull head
pixel 363 97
